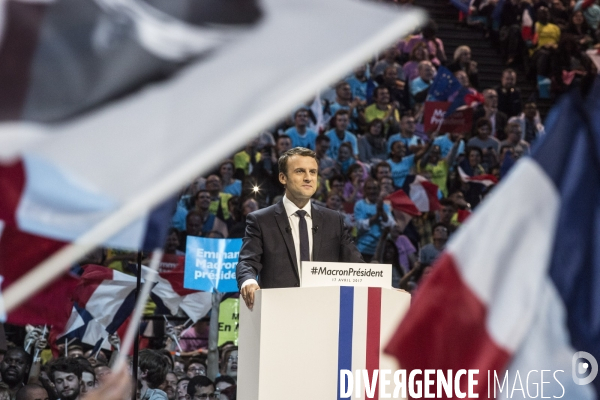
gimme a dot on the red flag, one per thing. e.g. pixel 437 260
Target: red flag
pixel 401 202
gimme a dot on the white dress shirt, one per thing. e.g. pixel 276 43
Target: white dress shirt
pixel 294 219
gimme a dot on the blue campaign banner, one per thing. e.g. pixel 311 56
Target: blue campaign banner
pixel 210 264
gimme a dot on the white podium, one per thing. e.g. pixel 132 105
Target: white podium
pixel 295 341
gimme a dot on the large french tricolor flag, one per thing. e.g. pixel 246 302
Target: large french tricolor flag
pixel 518 288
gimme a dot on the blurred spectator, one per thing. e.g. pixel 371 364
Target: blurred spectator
pixel 195 337
pixel 545 40
pixel 195 367
pixel 435 46
pixel 490 146
pixel 431 251
pixel 591 12
pixel 509 96
pixel 345 159
pixel 362 87
pixel 200 387
pixel 389 59
pixel 230 185
pixel 384 110
pixel 401 164
pixel 411 67
pixel 462 61
pixel 355 180
pixel 327 165
pixel 437 168
pixel 15 368
pixel 344 101
pixel 300 135
pixel 381 170
pixel 246 159
pixel 489 110
pixel 372 147
pixel 419 86
pixel 398 94
pixel 406 135
pixel 218 199
pixel 200 221
pixel 171 386
pixel 581 31
pixel 514 135
pixel 65 374
pixel 152 371
pixel 531 123
pixel 239 228
pixel 371 216
pixel 182 385
pixel 340 134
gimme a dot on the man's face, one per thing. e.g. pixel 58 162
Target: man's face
pixel 390 74
pixel 387 185
pixel 371 190
pixel 283 145
pixel 204 392
pixel 322 148
pixel 382 172
pixel 300 179
pixel 383 96
pixel 182 390
pixel 196 369
pixel 360 71
pixel 232 363
pixel 13 367
pixel 67 385
pixel 509 79
pixel 474 158
pixel 426 71
pixel 102 372
pixel 203 200
pixel 37 394
pixel 530 110
pixel 341 122
pixel 344 153
pixel 462 77
pixel 213 183
pixel 514 132
pixel 440 233
pixel 226 170
pixel 408 126
pixel 490 98
pixel 87 383
pixel 446 214
pixel 301 118
pixel 344 92
pixel 171 389
pixel 334 202
pixel 249 206
pixel 194 225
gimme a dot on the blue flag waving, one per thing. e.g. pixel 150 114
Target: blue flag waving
pixel 444 84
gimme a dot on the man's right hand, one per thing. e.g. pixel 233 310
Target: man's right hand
pixel 248 294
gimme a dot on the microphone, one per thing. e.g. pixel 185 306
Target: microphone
pixel 288 229
pixel 315 229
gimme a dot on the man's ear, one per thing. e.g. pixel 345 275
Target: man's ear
pixel 282 178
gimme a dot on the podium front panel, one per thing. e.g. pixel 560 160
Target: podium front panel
pixel 295 341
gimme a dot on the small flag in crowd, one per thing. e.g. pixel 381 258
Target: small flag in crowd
pixel 401 202
pixel 485 179
pixel 424 194
pixel 443 86
pixel 517 288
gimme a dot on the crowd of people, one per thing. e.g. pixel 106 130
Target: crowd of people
pixel 553 39
pixel 33 372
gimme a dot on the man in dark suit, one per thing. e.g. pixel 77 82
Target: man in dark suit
pixel 278 238
pixel 489 110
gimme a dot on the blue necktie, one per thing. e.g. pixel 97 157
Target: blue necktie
pixel 304 248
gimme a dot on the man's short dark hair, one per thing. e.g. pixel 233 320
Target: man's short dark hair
pixel 301 109
pixel 322 138
pixel 283 136
pixel 225 378
pixel 195 360
pixel 198 381
pixel 155 365
pixel 24 391
pixel 68 365
pixel 377 90
pixel 296 151
pixel 380 164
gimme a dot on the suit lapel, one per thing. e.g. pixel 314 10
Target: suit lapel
pixel 284 226
pixel 317 223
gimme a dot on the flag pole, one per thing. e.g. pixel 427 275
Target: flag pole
pixel 136 341
pixel 212 359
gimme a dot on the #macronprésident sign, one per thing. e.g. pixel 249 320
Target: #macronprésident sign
pixel 210 264
pixel 317 273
